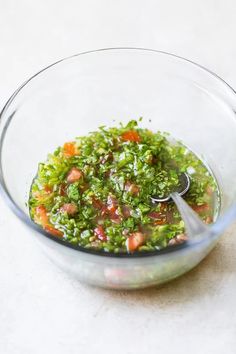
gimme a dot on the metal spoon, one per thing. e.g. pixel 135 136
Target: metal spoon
pixel 193 224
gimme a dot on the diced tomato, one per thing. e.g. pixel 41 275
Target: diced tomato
pixel 52 230
pixel 116 218
pixel 70 149
pixel 41 216
pixel 74 175
pixel 154 215
pixel 69 208
pixel 131 135
pixel 132 188
pixel 97 203
pixel 100 233
pixel 126 211
pixel 104 210
pixel 62 189
pixel 111 208
pixel 47 189
pixel 201 208
pixel 111 204
pixel 160 219
pixel 134 241
pixel 42 219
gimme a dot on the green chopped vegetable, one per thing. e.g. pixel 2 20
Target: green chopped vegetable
pixel 95 192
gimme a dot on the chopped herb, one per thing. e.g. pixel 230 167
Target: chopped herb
pixel 95 191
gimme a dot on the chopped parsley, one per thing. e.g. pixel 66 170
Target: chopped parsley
pixel 95 191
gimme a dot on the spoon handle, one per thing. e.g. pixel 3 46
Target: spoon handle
pixel 193 224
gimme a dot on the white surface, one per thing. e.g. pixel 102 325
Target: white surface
pixel 42 310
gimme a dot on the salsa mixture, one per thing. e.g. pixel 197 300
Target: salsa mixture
pixel 95 191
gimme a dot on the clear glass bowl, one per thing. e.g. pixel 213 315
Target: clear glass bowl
pixel 104 87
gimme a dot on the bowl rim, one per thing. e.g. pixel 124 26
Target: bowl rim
pixel 214 229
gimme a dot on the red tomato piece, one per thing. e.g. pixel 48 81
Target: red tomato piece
pixel 201 208
pixel 104 210
pixel 48 189
pixel 134 241
pixel 131 135
pixel 42 219
pixel 62 189
pixel 69 208
pixel 97 203
pixel 111 204
pixel 155 215
pixel 69 149
pixel 132 188
pixel 41 216
pixel 115 218
pixel 100 233
pixel 52 230
pixel 126 211
pixel 160 219
pixel 74 175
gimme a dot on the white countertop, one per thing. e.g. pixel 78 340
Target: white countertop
pixel 44 311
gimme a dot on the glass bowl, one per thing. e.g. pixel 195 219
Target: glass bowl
pixel 104 87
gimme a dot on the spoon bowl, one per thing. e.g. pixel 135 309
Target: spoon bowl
pixel 182 189
pixel 193 223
